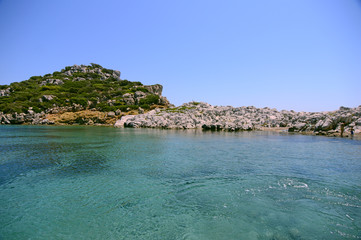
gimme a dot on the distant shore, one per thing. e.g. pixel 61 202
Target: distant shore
pixel 199 115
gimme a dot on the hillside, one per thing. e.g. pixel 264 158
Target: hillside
pixel 76 88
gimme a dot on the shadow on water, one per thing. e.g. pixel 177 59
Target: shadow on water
pixel 83 163
pixel 62 159
pixel 33 156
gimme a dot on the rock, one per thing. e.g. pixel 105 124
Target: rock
pixel 52 81
pixel 117 73
pixel 129 99
pixel 118 112
pixel 140 110
pixel 5 92
pixel 44 121
pixel 139 95
pixel 111 114
pixel 78 79
pixel 155 89
pixel 121 122
pixel 327 125
pixel 164 101
pixel 48 97
pixel 299 126
pixel 31 112
pixel 227 118
pixel 358 122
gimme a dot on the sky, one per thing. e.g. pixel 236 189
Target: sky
pixel 302 55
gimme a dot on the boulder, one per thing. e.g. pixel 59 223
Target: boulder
pixel 5 92
pixel 121 122
pixel 155 89
pixel 118 112
pixel 327 124
pixel 47 97
pixel 111 114
pixel 52 81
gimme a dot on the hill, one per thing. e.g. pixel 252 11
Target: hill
pixel 76 88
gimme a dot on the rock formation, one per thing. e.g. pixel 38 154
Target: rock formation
pixel 227 118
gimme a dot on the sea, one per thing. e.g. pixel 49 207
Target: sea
pixel 81 182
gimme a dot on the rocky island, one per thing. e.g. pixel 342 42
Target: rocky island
pixel 93 95
pixel 87 95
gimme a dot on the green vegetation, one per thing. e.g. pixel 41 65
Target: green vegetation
pixel 90 91
pixel 178 109
pixel 149 100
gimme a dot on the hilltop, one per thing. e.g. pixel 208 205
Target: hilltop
pixel 75 89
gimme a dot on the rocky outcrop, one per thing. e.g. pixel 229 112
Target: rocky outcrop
pixel 5 92
pixel 121 122
pixel 227 118
pixel 20 118
pixel 155 89
pixel 95 68
pixel 52 81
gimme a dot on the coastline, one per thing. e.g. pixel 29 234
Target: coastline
pixel 200 115
pixel 347 135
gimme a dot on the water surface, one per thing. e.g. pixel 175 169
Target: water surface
pixel 105 183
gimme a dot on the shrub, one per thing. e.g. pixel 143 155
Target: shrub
pixel 105 70
pixel 142 89
pixel 78 100
pixel 145 106
pixel 150 99
pixel 94 65
pixel 36 109
pixel 124 82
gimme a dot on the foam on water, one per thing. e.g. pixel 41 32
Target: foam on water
pixel 104 183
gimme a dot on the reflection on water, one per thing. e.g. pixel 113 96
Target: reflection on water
pixel 104 183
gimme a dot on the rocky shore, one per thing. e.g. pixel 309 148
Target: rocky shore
pixel 226 118
pixel 94 95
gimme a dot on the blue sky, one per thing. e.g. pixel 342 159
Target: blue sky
pixel 303 55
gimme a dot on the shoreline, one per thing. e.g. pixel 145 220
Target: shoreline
pixel 347 135
pixel 200 115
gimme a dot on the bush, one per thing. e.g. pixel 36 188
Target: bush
pixel 36 109
pixel 105 70
pixel 150 99
pixel 94 65
pixel 103 107
pixel 145 106
pixel 55 74
pixel 142 89
pixel 81 101
pixel 50 87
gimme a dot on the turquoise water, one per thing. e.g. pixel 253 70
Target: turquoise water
pixel 105 183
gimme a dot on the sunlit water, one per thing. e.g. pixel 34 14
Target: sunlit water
pixel 105 183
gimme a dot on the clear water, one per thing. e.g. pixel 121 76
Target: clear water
pixel 105 183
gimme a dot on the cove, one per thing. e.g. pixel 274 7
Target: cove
pixel 104 183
